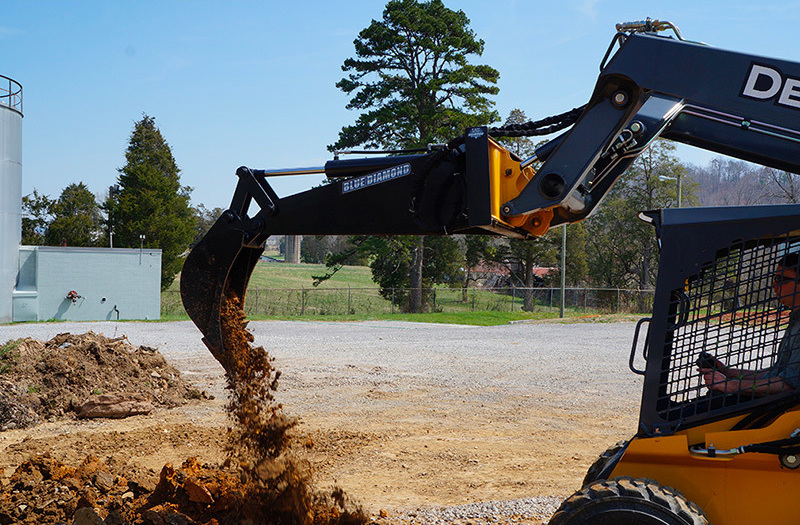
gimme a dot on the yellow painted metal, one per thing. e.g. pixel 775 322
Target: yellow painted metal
pixel 746 489
pixel 506 182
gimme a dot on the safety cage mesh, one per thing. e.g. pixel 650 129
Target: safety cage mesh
pixel 731 336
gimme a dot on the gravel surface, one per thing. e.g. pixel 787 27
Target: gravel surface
pixel 581 367
pixel 556 358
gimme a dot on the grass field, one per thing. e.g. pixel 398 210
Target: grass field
pixel 285 291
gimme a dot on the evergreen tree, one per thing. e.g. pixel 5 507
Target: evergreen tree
pixel 76 218
pixel 151 201
pixel 522 147
pixel 413 82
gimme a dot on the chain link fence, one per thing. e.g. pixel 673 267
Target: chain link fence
pixel 368 301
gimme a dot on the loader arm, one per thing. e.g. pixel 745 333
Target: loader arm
pixel 729 102
pixel 740 105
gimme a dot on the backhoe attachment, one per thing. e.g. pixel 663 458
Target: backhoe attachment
pixel 449 189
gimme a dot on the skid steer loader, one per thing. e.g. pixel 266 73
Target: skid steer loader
pixel 719 427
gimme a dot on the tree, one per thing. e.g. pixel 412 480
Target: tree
pixel 412 81
pixel 787 184
pixel 36 217
pixel 622 249
pixel 392 258
pixel 205 220
pixel 522 256
pixel 522 147
pixel 729 182
pixel 76 218
pixel 577 258
pixel 151 201
pixel 316 248
pixel 475 249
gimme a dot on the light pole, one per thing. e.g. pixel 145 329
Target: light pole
pixel 678 179
pixel 563 269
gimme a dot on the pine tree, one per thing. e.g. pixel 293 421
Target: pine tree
pixel 151 201
pixel 414 83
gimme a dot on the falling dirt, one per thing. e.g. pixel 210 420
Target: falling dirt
pixel 277 484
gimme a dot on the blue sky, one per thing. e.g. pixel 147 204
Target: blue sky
pixel 253 83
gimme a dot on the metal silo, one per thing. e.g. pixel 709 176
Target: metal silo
pixel 10 190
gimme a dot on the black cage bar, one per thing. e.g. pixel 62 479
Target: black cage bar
pixel 721 334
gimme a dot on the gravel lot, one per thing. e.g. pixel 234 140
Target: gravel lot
pixel 433 422
pixel 590 358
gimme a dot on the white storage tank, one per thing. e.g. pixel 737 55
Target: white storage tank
pixel 10 190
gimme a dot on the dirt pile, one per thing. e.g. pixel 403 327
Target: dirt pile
pixel 55 379
pixel 43 490
pixel 262 481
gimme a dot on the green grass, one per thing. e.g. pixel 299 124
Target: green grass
pixel 296 276
pixel 281 291
pixel 283 275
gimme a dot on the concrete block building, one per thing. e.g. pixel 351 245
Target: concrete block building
pixel 39 283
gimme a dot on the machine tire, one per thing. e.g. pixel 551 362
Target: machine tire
pixel 628 501
pixel 600 463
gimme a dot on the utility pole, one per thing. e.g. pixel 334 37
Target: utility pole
pixel 563 269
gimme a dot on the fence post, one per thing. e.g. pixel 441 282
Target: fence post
pixel 256 309
pixel 392 299
pixel 617 300
pixel 349 308
pixel 585 298
pixel 473 299
pixel 302 300
pixel 513 296
pixel 434 299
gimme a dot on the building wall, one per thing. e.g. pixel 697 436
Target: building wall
pixel 112 283
pixel 10 204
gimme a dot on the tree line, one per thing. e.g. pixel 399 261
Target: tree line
pixel 413 82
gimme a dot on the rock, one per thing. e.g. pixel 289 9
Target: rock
pixel 72 483
pixel 115 406
pixel 115 518
pixel 176 518
pixel 13 412
pixel 141 485
pixel 104 481
pixel 383 514
pixel 197 491
pixel 152 517
pixel 86 516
